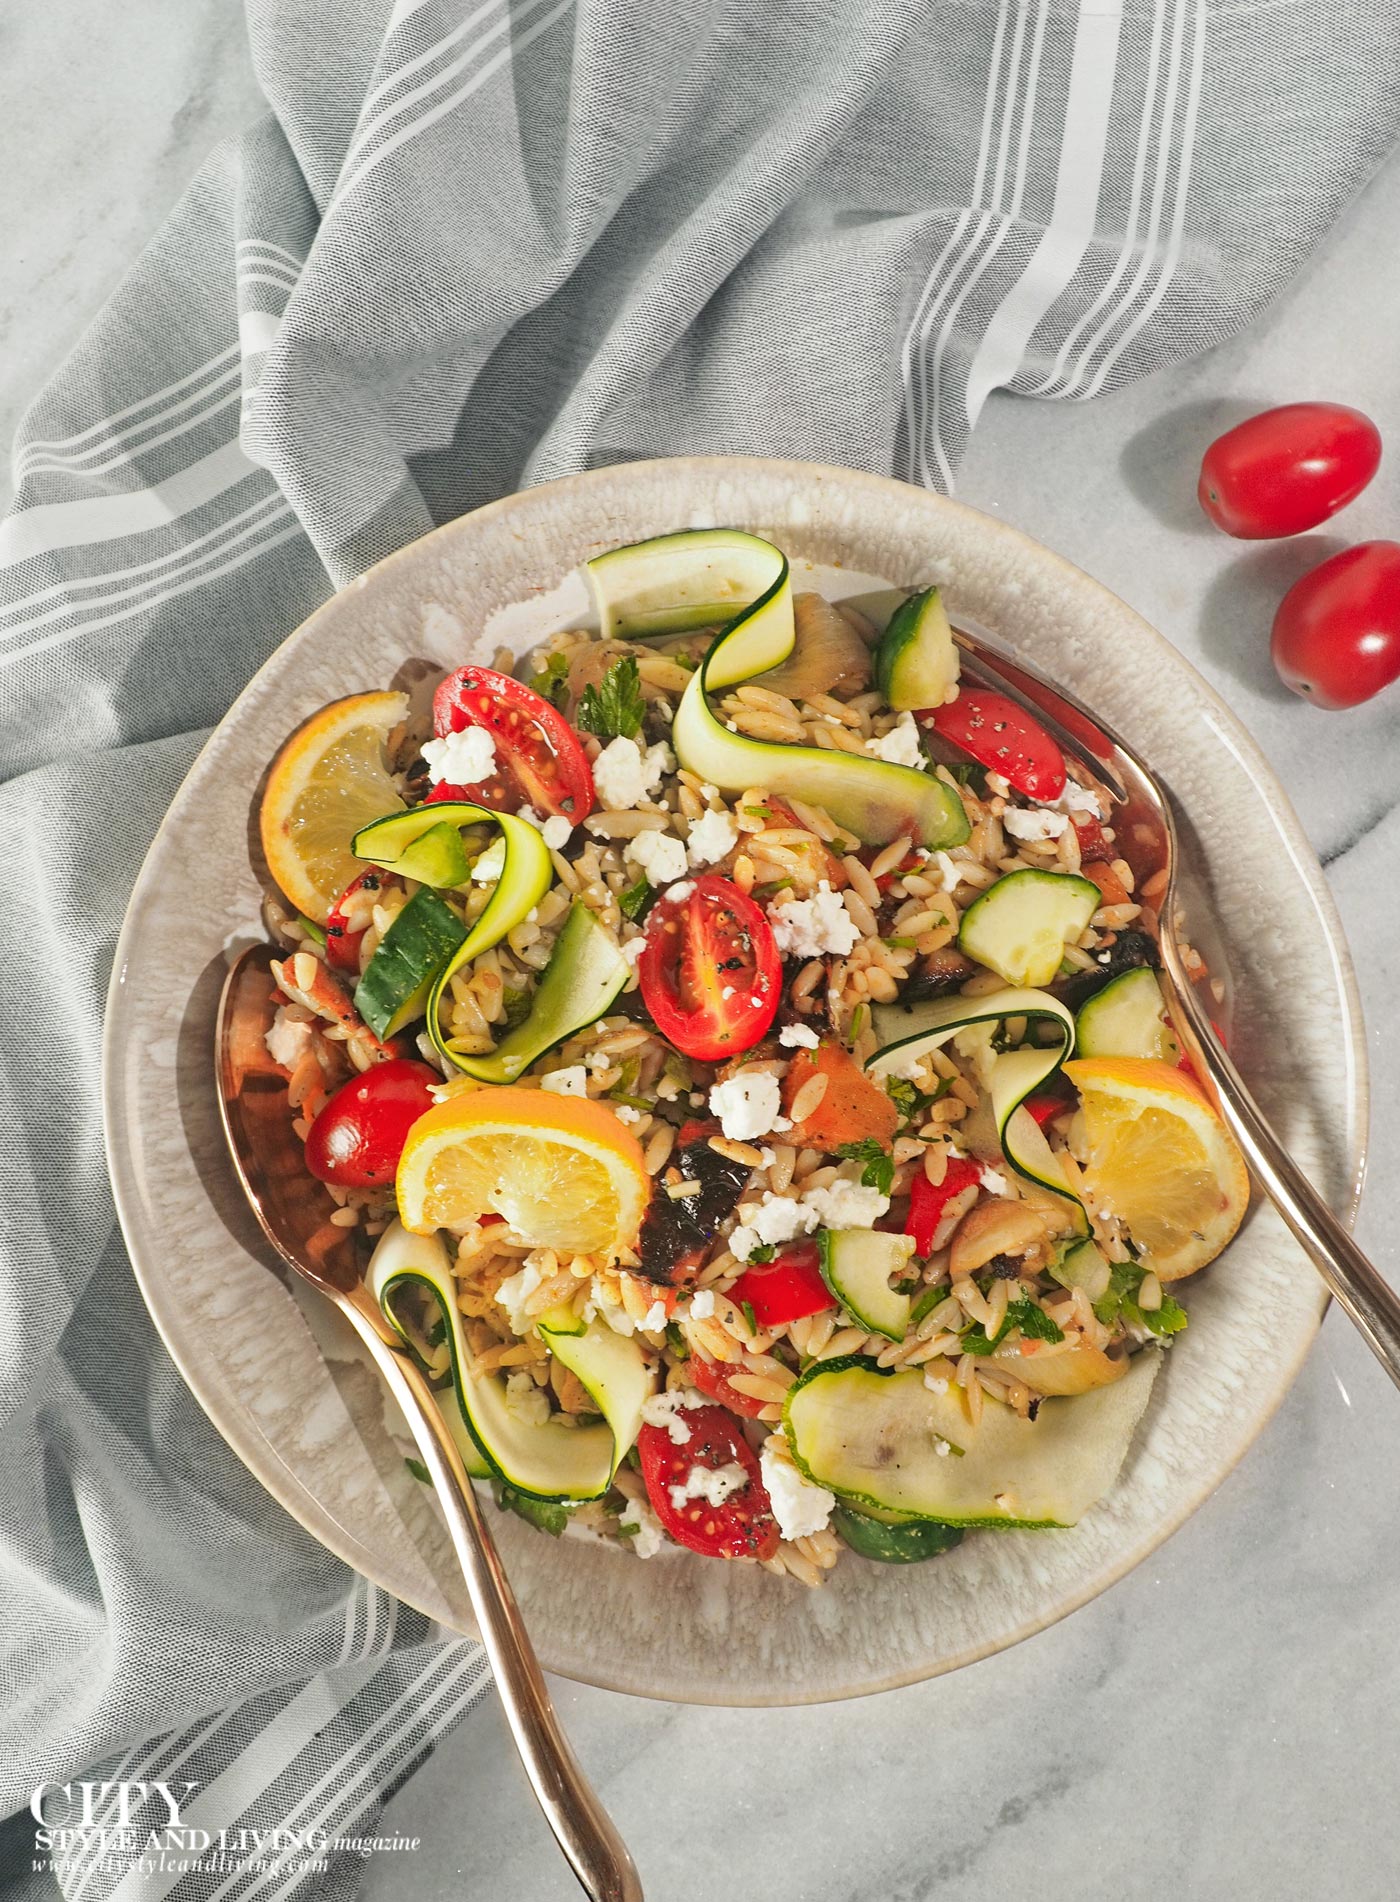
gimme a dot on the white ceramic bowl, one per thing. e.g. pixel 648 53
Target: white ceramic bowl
pixel 280 1381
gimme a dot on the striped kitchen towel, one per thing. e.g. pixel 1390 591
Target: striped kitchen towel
pixel 474 244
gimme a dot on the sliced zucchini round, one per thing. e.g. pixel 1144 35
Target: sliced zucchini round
pixel 856 1264
pixel 545 1460
pixel 872 1435
pixel 904 1542
pixel 909 1030
pixel 1127 1018
pixel 397 981
pixel 1020 926
pixel 916 662
pixel 699 569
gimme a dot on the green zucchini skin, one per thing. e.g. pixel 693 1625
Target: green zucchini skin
pixel 1020 925
pixel 856 1264
pixel 916 662
pixel 585 975
pixel 906 1543
pixel 701 570
pixel 1127 1018
pixel 419 944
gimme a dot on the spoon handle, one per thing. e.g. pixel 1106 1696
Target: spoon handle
pixel 584 1830
pixel 1365 1294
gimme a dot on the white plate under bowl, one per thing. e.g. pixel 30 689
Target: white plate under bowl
pixel 312 1428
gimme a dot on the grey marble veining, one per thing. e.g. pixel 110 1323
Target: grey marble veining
pixel 1223 1722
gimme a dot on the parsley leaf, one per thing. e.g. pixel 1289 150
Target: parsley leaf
pixel 679 1346
pixel 637 900
pixel 749 1316
pixel 967 773
pixel 764 1252
pixel 547 1514
pixel 1119 1302
pixel 551 683
pixel 437 1333
pixel 419 1471
pixel 878 1169
pixel 1034 1323
pixel 909 1099
pixel 615 708
pixel 1170 1318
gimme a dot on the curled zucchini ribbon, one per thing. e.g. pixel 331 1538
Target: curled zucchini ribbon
pixel 426 844
pixel 690 580
pixel 542 1458
pixel 910 1030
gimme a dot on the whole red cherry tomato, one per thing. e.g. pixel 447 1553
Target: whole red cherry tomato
pixel 1336 638
pixel 739 1526
pixel 787 1289
pixel 1288 469
pixel 539 761
pixel 710 971
pixel 359 1136
pixel 1001 735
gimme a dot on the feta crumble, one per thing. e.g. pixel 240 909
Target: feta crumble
pixel 664 1410
pixel 654 1320
pixel 994 1182
pixel 1033 825
pixel 287 1039
pixel 713 1484
pixel 570 1082
pixel 462 759
pixel 812 927
pixel 846 1204
pixel 901 746
pixel 947 871
pixel 647 1536
pixel 767 1224
pixel 798 1037
pixel 659 855
pixel 702 1304
pixel 490 865
pixel 748 1104
pixel 1077 798
pixel 712 836
pixel 677 894
pixel 799 1507
pixel 555 831
pixel 632 951
pixel 524 1400
pixel 514 1293
pixel 625 776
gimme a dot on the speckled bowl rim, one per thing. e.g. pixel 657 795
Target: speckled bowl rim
pixel 252 1447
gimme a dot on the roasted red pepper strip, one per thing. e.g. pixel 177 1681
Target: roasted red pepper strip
pixel 927 1202
pixel 787 1289
pixel 1045 1105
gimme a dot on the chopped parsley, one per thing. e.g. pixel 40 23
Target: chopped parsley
pixel 676 1340
pixel 547 1514
pixel 637 900
pixel 1035 1325
pixel 909 1099
pixel 878 1165
pixel 437 1333
pixel 552 681
pixel 749 1316
pixel 615 708
pixel 1119 1302
pixel 968 773
pixel 764 1252
pixel 419 1471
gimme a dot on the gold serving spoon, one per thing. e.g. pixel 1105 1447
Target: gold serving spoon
pixel 1367 1297
pixel 294 1212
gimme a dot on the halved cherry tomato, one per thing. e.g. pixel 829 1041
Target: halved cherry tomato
pixel 710 971
pixel 359 1136
pixel 1288 469
pixel 998 734
pixel 928 1201
pixel 787 1289
pixel 1336 638
pixel 539 761
pixel 342 946
pixel 710 1377
pixel 742 1526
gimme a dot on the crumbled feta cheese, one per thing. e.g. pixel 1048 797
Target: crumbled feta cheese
pixel 947 870
pixel 901 746
pixel 624 775
pixel 711 1483
pixel 555 831
pixel 514 1293
pixel 943 1447
pixel 994 1182
pixel 664 1410
pixel 462 759
pixel 776 1219
pixel 1077 798
pixel 570 1082
pixel 531 817
pixel 677 894
pixel 811 927
pixel 633 950
pixel 524 1399
pixel 748 1104
pixel 908 1068
pixel 660 855
pixel 1033 825
pixel 798 1037
pixel 625 1113
pixel 648 1538
pixel 712 835
pixel 490 865
pixel 654 1320
pixel 799 1507
pixel 702 1304
pixel 743 1241
pixel 846 1204
pixel 287 1039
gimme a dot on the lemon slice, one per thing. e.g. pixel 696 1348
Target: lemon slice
pixel 1160 1160
pixel 328 782
pixel 561 1170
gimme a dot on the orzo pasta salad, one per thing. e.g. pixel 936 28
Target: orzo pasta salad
pixel 739 1046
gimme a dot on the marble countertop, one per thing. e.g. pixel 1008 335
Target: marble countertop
pixel 1222 1722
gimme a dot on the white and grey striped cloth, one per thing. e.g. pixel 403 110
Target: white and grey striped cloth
pixel 472 246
